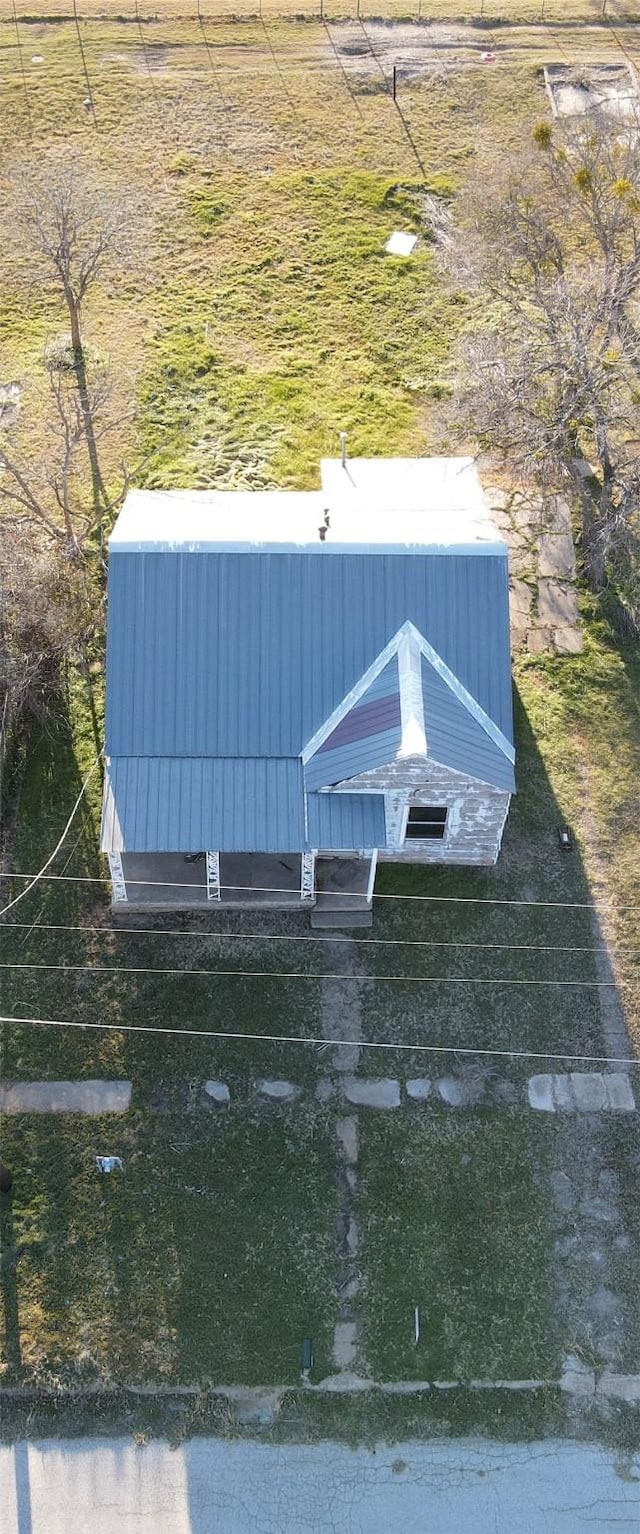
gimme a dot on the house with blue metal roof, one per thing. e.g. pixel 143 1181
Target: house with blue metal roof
pixel 300 685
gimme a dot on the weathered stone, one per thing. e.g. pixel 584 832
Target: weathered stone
pixel 352 1237
pixel 538 641
pixel 625 1386
pixel 460 1091
pixel 619 1092
pixel 557 556
pixel 603 1305
pixel 568 641
pixel 347 1135
pixel 527 517
pixel 540 1092
pixel 608 1346
pixel 350 1289
pixel 344 1344
pixel 557 605
pixel 562 1093
pixel 623 1243
pixel 344 1383
pixel 65 1096
pixel 519 600
pixel 258 1404
pixel 557 515
pixel 346 1058
pixel 372 1092
pixel 216 1094
pixel 608 1183
pixel 588 1087
pixel 497 499
pixel 563 1191
pixel 272 1091
pixel 596 1258
pixel 576 1379
pixel 600 1210
pixel 418 1089
pixel 451 1092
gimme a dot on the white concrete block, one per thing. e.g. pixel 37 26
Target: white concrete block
pixel 619 1092
pixel 380 1092
pixel 589 1091
pixel 540 1091
pixel 562 1093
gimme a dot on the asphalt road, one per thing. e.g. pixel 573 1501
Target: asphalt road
pixel 209 1486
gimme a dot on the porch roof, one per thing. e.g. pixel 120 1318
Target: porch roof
pixel 194 804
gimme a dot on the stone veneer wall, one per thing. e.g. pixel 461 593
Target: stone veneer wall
pixel 477 812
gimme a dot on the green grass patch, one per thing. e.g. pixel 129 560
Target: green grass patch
pixel 454 1218
pixel 310 330
pixel 207 1260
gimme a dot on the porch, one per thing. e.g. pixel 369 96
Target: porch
pixel 331 884
pixel 177 882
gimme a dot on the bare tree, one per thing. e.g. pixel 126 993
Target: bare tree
pixel 72 232
pixel 48 613
pixel 551 370
pixel 47 489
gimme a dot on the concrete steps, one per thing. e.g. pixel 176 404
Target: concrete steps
pixel 321 917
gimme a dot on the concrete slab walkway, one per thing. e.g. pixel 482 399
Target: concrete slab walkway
pixel 65 1096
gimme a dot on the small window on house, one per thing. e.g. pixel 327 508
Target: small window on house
pixel 426 822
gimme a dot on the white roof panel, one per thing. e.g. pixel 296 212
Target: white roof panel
pixel 367 504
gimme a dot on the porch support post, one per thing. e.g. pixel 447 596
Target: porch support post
pixel 118 881
pixel 372 874
pixel 213 875
pixel 308 876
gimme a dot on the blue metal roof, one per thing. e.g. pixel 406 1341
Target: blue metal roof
pixel 227 654
pixel 178 804
pixel 346 822
pixel 457 739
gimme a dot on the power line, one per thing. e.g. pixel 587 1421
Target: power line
pixel 299 937
pixel 275 889
pixel 322 1043
pixel 84 63
pixel 23 71
pixel 35 878
pixel 299 974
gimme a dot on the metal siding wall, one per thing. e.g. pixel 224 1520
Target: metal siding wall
pixel 247 654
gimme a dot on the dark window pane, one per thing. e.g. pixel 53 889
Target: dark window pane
pixel 426 822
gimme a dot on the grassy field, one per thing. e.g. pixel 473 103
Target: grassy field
pixel 259 318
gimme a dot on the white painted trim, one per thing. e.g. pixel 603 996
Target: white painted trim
pixel 504 821
pixel 118 881
pixel 212 860
pixel 372 874
pixel 414 738
pixel 308 876
pixel 463 696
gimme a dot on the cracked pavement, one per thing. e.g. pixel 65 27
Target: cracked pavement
pixel 210 1486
